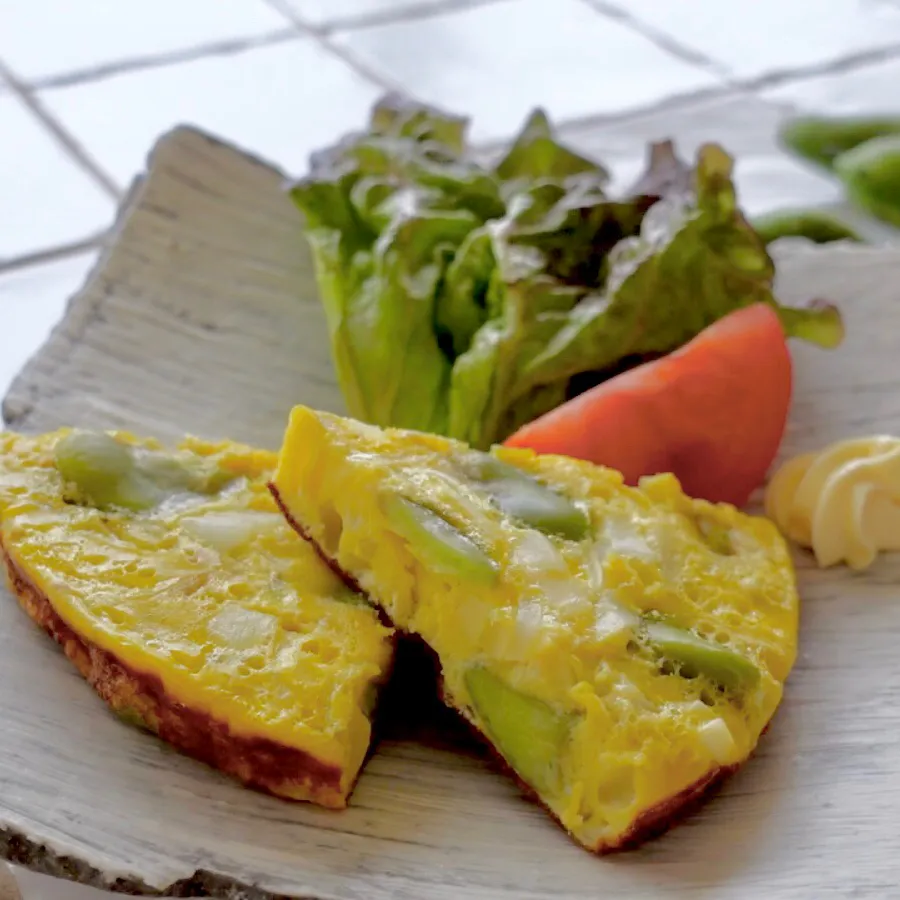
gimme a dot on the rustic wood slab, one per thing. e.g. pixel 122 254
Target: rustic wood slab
pixel 202 316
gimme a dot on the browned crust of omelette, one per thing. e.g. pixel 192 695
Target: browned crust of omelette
pixel 652 822
pixel 260 763
pixel 346 577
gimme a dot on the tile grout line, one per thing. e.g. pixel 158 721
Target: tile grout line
pixel 730 80
pixel 70 249
pixel 411 13
pixel 576 123
pixel 76 152
pixel 160 60
pixel 818 70
pixel 51 254
pixel 662 40
pixel 301 28
pixel 365 71
pixel 750 85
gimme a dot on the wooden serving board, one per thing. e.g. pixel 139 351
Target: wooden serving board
pixel 202 316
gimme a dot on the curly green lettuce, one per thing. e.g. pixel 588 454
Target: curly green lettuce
pixel 467 299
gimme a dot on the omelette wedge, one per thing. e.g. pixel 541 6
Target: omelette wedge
pixel 183 597
pixel 620 648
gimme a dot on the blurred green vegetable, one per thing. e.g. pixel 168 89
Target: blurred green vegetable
pixel 821 139
pixel 438 543
pixel 871 176
pixel 524 498
pixel 104 472
pixel 697 656
pixel 468 299
pixel 815 225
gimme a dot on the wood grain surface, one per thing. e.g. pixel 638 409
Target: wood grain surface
pixel 9 888
pixel 202 317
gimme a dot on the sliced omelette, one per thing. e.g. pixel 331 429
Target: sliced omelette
pixel 184 598
pixel 620 648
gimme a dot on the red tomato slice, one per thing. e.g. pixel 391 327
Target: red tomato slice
pixel 713 412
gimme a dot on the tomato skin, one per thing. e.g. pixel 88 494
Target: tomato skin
pixel 713 412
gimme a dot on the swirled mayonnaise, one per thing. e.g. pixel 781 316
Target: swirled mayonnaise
pixel 842 502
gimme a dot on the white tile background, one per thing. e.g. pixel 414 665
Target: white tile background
pixel 561 55
pixel 284 77
pixel 40 39
pixel 281 101
pixel 45 197
pixel 774 34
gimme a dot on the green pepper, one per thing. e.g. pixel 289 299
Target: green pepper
pixel 822 139
pixel 437 543
pixel 107 473
pixel 696 656
pixel 528 733
pixel 104 472
pixel 871 175
pixel 522 497
pixel 814 225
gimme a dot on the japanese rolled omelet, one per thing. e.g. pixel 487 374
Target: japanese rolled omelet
pixel 183 597
pixel 620 648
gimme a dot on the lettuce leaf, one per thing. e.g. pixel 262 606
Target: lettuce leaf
pixel 467 299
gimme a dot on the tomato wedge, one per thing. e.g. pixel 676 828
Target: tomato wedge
pixel 713 412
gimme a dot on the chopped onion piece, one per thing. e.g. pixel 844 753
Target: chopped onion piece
pixel 717 738
pixel 243 629
pixel 224 531
pixel 623 537
pixel 521 638
pixel 535 551
pixel 564 597
pixel 529 618
pixel 614 624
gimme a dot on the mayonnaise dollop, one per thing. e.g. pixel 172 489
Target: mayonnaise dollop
pixel 842 502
